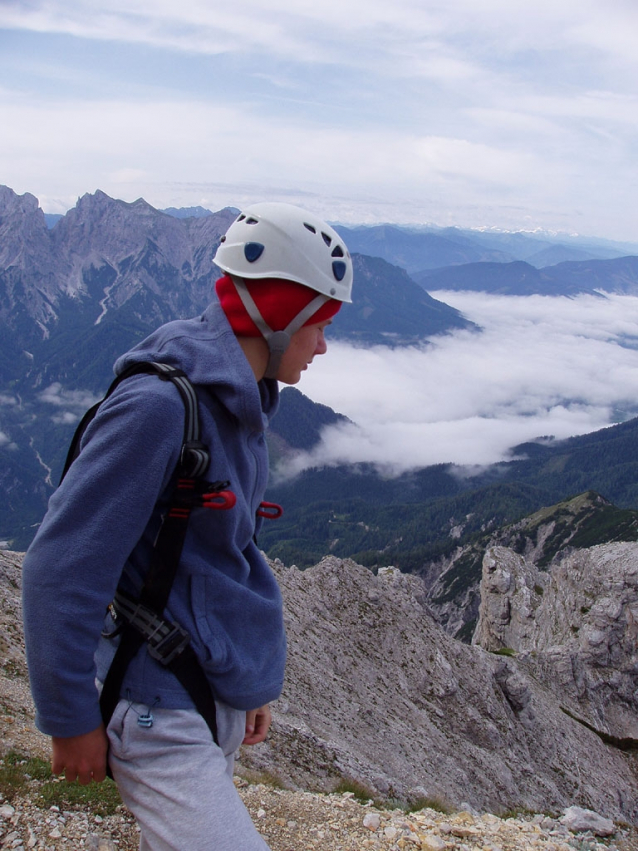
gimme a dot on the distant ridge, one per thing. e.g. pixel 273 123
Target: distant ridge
pixel 429 248
pixel 418 517
pixel 619 275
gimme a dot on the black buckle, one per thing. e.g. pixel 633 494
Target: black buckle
pixel 170 646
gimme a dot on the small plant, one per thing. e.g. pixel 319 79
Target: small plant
pixel 33 767
pixel 504 651
pixel 359 790
pixel 435 804
pixel 16 770
pixel 102 799
pixel 517 813
pixel 19 772
pixel 266 778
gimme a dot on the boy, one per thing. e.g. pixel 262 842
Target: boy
pixel 286 275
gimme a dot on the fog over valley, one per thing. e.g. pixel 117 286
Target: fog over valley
pixel 540 366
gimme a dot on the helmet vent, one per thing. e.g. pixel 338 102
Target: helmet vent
pixel 253 251
pixel 310 227
pixel 339 269
pixel 251 221
pixel 327 239
pixel 241 218
pixel 337 251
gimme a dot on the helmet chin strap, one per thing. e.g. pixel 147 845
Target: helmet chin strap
pixel 278 341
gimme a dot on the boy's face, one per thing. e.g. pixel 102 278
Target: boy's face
pixel 305 344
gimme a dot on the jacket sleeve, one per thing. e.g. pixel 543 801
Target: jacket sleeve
pixel 104 506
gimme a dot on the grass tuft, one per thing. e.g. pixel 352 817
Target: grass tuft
pixel 22 775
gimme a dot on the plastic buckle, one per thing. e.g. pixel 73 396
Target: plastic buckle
pixel 170 646
pixel 220 500
pixel 270 510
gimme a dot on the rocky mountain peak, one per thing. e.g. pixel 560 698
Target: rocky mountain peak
pixel 22 229
pixel 577 621
pixel 581 521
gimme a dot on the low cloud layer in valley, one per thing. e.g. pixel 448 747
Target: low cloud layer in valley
pixel 540 366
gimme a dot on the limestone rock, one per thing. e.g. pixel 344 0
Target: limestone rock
pixel 579 820
pixel 575 625
pixel 377 692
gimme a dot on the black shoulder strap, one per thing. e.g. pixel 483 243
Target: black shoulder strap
pixel 193 463
pixel 194 458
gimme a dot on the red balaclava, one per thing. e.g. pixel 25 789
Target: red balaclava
pixel 278 301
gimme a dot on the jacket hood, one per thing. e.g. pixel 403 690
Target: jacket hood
pixel 207 350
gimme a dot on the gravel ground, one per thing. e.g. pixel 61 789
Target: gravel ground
pixel 301 821
pixel 289 821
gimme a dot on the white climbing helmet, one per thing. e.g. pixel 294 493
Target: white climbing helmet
pixel 275 240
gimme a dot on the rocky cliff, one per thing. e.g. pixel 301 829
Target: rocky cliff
pixel 454 581
pixel 575 625
pixel 377 692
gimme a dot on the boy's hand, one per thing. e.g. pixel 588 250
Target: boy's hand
pixel 257 725
pixel 81 758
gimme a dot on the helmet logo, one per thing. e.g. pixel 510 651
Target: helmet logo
pixel 253 251
pixel 339 269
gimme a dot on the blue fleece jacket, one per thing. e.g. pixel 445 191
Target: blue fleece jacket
pixel 104 517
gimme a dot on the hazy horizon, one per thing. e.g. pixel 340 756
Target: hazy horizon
pixel 502 114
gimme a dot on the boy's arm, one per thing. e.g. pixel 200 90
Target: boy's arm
pixel 94 522
pixel 81 758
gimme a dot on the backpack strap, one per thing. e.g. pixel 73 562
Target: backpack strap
pixel 195 458
pixel 142 620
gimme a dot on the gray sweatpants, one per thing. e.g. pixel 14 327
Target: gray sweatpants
pixel 178 783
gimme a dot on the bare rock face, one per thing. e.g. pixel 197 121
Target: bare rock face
pixel 377 692
pixel 103 254
pixel 576 623
pixel 511 592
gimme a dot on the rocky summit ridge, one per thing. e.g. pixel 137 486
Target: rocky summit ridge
pixel 378 692
pixel 537 715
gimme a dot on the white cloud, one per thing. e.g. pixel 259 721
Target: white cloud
pixel 128 149
pixel 308 29
pixel 541 366
pixel 74 402
pixel 498 113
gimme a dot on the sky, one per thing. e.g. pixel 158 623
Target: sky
pixel 503 113
pixel 541 367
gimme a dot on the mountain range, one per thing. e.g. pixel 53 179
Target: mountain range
pixel 593 277
pixel 76 294
pixel 420 249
